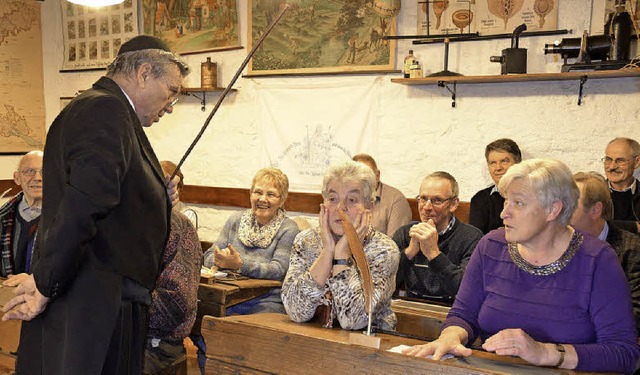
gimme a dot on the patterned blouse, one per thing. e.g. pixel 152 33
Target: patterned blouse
pixel 175 296
pixel 301 294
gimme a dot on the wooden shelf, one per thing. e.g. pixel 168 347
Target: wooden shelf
pixel 582 76
pixel 520 77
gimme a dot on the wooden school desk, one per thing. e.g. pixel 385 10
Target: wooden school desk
pixel 271 343
pixel 9 335
pixel 214 298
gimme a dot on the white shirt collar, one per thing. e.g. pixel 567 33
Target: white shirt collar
pixel 128 98
pixel 605 232
pixel 632 187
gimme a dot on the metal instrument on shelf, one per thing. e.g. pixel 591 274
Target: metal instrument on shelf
pixel 513 60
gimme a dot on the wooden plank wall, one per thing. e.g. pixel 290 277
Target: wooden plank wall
pixel 308 203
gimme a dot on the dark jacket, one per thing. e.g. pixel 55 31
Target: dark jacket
pixel 485 209
pixel 635 205
pixel 7 231
pixel 627 247
pixel 104 223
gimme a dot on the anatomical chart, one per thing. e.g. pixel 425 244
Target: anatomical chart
pixel 487 17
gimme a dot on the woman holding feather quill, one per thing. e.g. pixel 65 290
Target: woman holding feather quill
pixel 323 274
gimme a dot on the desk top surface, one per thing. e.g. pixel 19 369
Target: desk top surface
pixel 243 283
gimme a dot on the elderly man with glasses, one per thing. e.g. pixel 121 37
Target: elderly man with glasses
pixel 436 250
pixel 19 218
pixel 620 161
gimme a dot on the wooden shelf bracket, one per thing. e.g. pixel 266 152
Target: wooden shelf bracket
pixel 453 92
pixel 203 98
pixel 583 80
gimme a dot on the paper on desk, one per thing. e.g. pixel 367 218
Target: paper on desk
pixel 400 348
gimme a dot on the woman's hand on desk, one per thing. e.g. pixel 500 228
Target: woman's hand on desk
pixel 517 342
pixel 15 280
pixel 227 258
pixel 450 341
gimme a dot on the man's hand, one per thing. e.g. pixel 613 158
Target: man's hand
pixel 15 280
pixel 426 235
pixel 172 189
pixel 27 304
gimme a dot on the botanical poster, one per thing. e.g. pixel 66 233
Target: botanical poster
pixel 486 17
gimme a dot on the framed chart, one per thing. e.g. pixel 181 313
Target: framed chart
pixel 93 35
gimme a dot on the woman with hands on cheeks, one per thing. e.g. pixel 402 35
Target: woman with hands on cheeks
pixel 257 242
pixel 322 270
pixel 539 289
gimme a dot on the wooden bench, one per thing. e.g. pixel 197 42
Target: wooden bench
pixel 308 203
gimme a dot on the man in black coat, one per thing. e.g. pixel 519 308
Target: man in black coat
pixel 593 216
pixel 104 224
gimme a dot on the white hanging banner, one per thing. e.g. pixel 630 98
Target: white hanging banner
pixel 339 122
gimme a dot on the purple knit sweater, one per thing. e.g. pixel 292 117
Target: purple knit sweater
pixel 586 304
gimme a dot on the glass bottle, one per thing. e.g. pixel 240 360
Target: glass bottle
pixel 408 61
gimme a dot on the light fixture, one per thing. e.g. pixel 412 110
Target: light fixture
pixel 96 3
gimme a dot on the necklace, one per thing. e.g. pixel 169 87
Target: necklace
pixel 551 268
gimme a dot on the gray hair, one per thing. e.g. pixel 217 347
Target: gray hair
pixel 355 172
pixel 127 63
pixel 442 175
pixel 632 143
pixel 550 179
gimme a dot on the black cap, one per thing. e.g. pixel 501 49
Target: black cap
pixel 141 42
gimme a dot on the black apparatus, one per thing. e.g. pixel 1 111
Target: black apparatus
pixel 513 60
pixel 609 51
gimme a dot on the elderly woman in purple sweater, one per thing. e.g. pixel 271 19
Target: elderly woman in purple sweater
pixel 539 289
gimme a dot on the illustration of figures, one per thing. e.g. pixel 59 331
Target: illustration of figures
pixel 353 42
pixel 162 16
pixel 384 25
pixel 316 150
pixel 193 24
pixel 374 39
pixel 294 44
pixel 312 10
